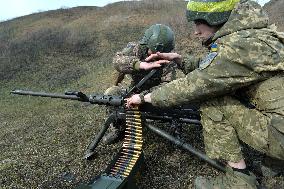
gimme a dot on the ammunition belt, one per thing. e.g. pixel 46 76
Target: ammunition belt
pixel 131 147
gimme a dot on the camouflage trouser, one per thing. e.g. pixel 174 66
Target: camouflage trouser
pixel 114 90
pixel 226 121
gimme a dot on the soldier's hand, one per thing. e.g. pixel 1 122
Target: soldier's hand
pixel 164 56
pixel 152 57
pixel 133 100
pixel 136 100
pixel 149 65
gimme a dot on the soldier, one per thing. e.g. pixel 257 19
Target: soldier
pixel 246 59
pixel 131 60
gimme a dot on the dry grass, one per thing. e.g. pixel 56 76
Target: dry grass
pixel 43 140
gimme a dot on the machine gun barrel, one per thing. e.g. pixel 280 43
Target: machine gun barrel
pixel 108 100
pixel 68 95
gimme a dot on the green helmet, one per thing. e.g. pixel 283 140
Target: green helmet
pixel 159 38
pixel 214 12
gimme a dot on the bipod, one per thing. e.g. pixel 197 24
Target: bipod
pixel 90 152
pixel 187 147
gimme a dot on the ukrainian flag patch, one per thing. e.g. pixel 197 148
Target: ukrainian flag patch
pixel 214 47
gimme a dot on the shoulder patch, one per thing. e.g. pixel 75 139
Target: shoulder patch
pixel 207 60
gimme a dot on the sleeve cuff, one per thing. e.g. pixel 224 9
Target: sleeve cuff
pixel 136 66
pixel 155 99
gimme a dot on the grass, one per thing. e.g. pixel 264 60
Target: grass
pixel 43 140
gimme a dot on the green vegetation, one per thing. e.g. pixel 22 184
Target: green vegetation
pixel 43 140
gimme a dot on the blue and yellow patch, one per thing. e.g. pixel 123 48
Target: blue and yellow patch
pixel 209 58
pixel 214 47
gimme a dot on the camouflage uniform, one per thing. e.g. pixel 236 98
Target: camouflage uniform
pixel 157 38
pixel 127 61
pixel 247 58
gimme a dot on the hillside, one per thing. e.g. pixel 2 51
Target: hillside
pixel 86 32
pixel 43 140
pixel 275 10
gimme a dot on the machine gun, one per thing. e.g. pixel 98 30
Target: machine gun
pixel 123 169
pixel 176 115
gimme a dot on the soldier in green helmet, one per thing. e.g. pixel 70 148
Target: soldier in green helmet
pixel 245 61
pixel 131 61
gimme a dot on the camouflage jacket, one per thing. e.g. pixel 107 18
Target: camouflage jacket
pixel 127 61
pixel 245 54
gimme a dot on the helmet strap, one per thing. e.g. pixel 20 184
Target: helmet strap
pixel 208 41
pixel 159 47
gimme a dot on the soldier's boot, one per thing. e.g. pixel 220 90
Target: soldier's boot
pixel 115 134
pixel 272 167
pixel 232 180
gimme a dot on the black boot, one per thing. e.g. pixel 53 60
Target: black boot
pixel 272 167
